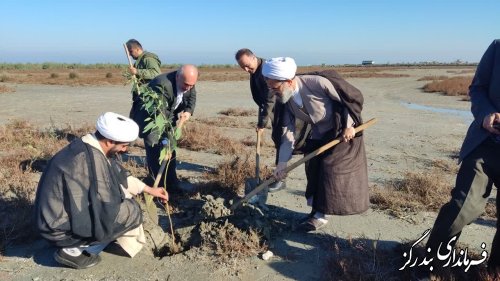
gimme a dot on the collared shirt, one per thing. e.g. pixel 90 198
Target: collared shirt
pixel 178 99
pixel 296 97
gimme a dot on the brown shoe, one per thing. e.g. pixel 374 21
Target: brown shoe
pixel 312 224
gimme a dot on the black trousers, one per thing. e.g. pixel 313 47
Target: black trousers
pixel 153 159
pixel 478 172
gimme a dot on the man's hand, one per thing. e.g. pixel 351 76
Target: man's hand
pixel 348 134
pixel 157 192
pixel 279 173
pixel 259 130
pixel 184 115
pixel 132 70
pixel 489 121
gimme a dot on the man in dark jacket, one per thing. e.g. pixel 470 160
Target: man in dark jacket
pixel 84 197
pixel 480 157
pixel 146 67
pixel 260 94
pixel 179 93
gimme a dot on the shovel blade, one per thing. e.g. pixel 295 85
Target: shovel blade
pixel 260 198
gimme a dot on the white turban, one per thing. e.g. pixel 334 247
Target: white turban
pixel 117 127
pixel 282 68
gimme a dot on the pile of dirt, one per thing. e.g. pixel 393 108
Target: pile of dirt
pixel 206 223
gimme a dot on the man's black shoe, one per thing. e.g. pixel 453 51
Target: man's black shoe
pixel 85 260
pixel 277 186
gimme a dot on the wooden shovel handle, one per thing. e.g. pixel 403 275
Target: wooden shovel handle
pixel 257 155
pixel 130 64
pixel 128 54
pixel 301 161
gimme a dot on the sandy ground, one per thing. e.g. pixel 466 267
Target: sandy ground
pixel 413 129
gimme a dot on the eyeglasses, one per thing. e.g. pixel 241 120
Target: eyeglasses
pixel 277 87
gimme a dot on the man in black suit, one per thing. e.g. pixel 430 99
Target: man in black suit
pixel 179 93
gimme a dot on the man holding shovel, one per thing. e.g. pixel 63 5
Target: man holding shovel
pixel 179 93
pixel 261 96
pixel 146 67
pixel 84 197
pixel 337 180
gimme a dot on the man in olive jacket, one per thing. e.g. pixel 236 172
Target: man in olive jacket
pixel 145 68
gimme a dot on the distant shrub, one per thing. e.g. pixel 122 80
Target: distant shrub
pixel 4 78
pixel 454 86
pixel 54 75
pixel 73 75
pixel 109 75
pixel 433 78
pixel 5 89
pixel 237 112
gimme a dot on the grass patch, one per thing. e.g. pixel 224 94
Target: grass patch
pixel 454 86
pixel 73 75
pixel 230 243
pixel 415 192
pixel 433 78
pixel 361 259
pixel 97 74
pixel 4 89
pixel 4 78
pixel 231 173
pixel 201 137
pixel 23 152
pixel 238 112
pixel 421 191
pixel 223 121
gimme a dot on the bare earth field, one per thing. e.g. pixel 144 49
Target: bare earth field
pixel 413 130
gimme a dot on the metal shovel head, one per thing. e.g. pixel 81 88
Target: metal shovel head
pixel 259 198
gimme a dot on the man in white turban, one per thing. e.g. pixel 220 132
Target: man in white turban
pixel 84 197
pixel 337 181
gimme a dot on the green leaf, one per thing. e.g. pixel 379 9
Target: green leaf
pixel 149 126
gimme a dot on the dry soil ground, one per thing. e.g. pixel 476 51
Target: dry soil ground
pixel 413 129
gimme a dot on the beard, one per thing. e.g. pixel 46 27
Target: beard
pixel 286 94
pixel 114 152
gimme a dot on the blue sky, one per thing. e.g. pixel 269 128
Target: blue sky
pixel 210 31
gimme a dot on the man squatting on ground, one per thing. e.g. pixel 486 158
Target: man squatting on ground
pixel 84 197
pixel 179 93
pixel 480 157
pixel 261 95
pixel 146 67
pixel 337 180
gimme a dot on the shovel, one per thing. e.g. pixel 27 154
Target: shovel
pixel 300 162
pixel 252 183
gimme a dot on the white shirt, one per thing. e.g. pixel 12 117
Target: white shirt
pixel 178 99
pixel 296 97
